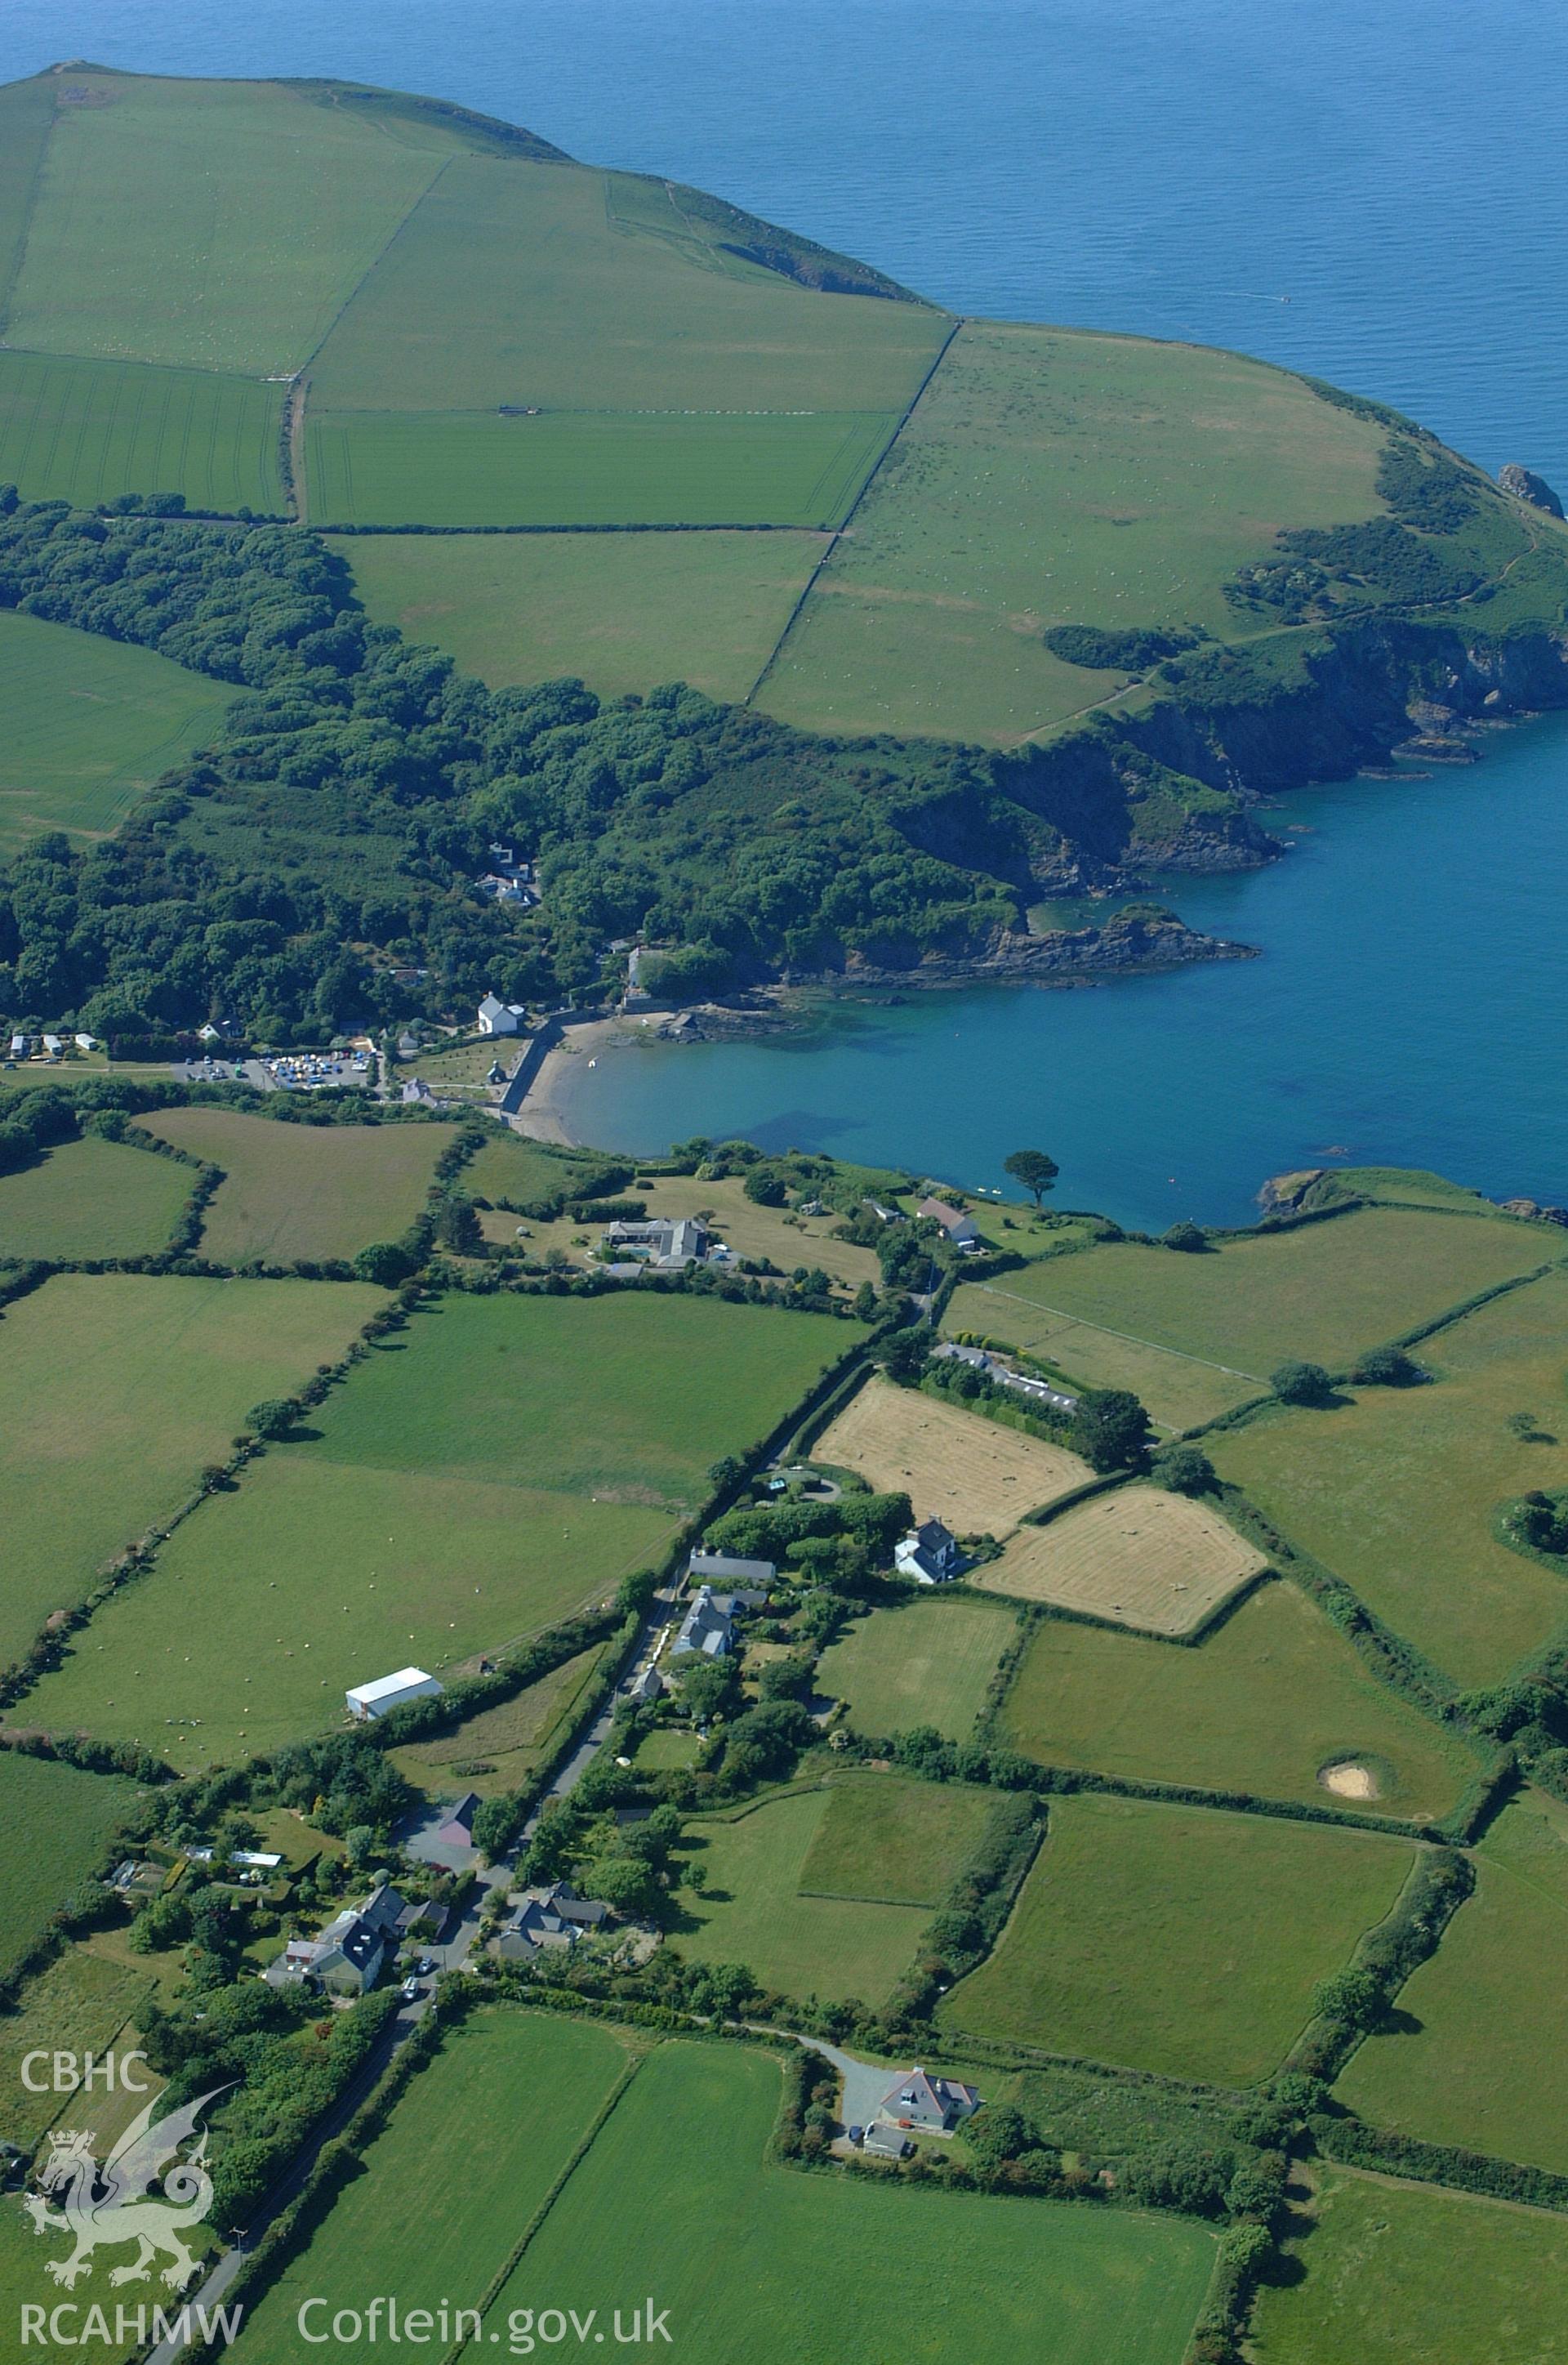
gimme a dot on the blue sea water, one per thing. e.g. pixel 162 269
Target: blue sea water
pixel 1395 172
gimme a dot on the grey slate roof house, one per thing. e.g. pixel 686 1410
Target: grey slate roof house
pixel 547 1917
pixel 922 2100
pixel 708 1624
pixel 960 1229
pixel 347 1956
pixel 929 1553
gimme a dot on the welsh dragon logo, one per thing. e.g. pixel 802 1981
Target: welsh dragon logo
pixel 108 2205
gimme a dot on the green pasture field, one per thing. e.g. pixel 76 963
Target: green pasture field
pixel 753 1910
pixel 24 2284
pixel 574 289
pixel 204 225
pixel 1474 2054
pixel 512 1739
pixel 114 1389
pixel 508 1166
pixel 55 1823
pixel 1400 1186
pixel 509 2098
pixel 84 431
pixel 894 1843
pixel 1178 1939
pixel 487 1470
pixel 588 467
pixel 1180 1391
pixel 1054 477
pixel 27 112
pixel 1380 2273
pixel 303 1192
pixel 927 1663
pixel 1272 1696
pixel 622 612
pixel 90 724
pixel 815 2267
pixel 79 2004
pixel 92 1198
pixel 1395 1491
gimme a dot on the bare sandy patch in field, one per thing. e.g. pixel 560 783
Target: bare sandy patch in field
pixel 1143 1558
pixel 1349 1780
pixel 954 1465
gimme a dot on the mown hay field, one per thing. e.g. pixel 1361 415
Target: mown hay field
pixel 1395 1491
pixel 928 1662
pixel 1159 1561
pixel 623 612
pixel 1180 1939
pixel 92 1198
pixel 55 1823
pixel 1379 2273
pixel 1269 1699
pixel 821 2266
pixel 501 1747
pixel 954 1465
pixel 589 468
pixel 894 1843
pixel 303 1192
pixel 493 1466
pixel 83 432
pixel 507 2098
pixel 1473 2054
pixel 114 1389
pixel 90 724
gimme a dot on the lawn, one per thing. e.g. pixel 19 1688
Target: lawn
pixel 114 1389
pixel 55 1825
pixel 956 1466
pixel 83 432
pixel 572 289
pixel 1395 1491
pixel 928 1664
pixel 1051 476
pixel 92 1198
pixel 1139 1555
pixel 1180 1391
pixel 78 2005
pixel 1384 2272
pixel 623 611
pixel 1474 2052
pixel 487 1470
pixel 205 225
pixel 753 1912
pixel 1269 1699
pixel 894 1843
pixel 809 2267
pixel 501 1747
pixel 504 2104
pixel 303 1193
pixel 476 468
pixel 1177 1939
pixel 90 725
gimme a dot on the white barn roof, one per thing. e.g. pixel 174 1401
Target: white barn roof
pixel 409 1682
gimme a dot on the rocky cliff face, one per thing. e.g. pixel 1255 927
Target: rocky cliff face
pixel 1145 937
pixel 1526 486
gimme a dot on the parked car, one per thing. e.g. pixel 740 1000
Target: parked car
pixel 411 1991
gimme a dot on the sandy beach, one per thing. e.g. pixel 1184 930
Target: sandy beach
pixel 541 1117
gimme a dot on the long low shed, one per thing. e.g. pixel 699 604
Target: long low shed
pixel 388 1692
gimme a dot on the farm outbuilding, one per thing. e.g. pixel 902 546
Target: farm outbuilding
pixel 388 1692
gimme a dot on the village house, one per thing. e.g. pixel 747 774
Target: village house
pixel 929 1553
pixel 388 1692
pixel 496 1017
pixel 548 1917
pixel 959 1228
pixel 935 2104
pixel 708 1624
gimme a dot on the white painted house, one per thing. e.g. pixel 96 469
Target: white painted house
pixel 388 1692
pixel 496 1017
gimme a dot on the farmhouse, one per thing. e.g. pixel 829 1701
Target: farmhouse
pixel 922 2100
pixel 555 1916
pixel 346 1957
pixel 388 1692
pixel 929 1553
pixel 496 1017
pixel 708 1624
pixel 664 1244
pixel 959 1227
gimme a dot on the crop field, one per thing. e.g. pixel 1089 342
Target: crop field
pixel 1395 1491
pixel 954 1465
pixel 1180 1391
pixel 752 1909
pixel 1048 477
pixel 1178 1939
pixel 572 289
pixel 622 612
pixel 114 1389
pixel 84 431
pixel 1380 2273
pixel 299 1191
pixel 91 1198
pixel 1474 2054
pixel 894 1843
pixel 486 1472
pixel 498 1749
pixel 1271 1697
pixel 511 2094
pixel 817 2267
pixel 476 468
pixel 77 2004
pixel 165 228
pixel 1147 1559
pixel 90 724
pixel 929 1662
pixel 55 1823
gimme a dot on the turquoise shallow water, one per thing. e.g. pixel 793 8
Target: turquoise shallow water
pixel 1179 172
